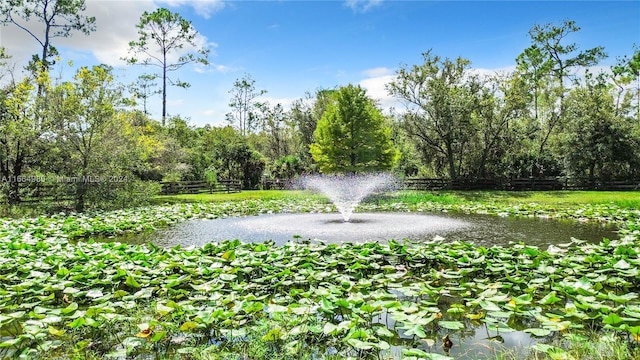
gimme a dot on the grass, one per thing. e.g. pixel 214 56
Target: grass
pixel 239 196
pixel 563 199
pixel 560 199
pixel 626 199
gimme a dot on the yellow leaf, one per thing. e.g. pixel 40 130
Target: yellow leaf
pixel 55 331
pixel 189 325
pixel 144 333
pixel 477 316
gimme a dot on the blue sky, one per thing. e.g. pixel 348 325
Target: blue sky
pixel 291 47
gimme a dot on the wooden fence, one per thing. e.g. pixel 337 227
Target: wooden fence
pixel 518 184
pixel 200 187
pixel 57 193
pixel 523 184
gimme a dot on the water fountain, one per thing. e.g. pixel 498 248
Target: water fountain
pixel 347 191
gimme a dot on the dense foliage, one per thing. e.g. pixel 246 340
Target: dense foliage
pixel 84 144
pixel 96 300
pixel 352 136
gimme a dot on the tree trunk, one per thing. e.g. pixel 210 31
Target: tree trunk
pixel 13 196
pixel 164 89
pixel 452 162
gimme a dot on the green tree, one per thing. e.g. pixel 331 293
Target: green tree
pixel 59 17
pixel 276 138
pixel 352 135
pixel 599 143
pixel 441 96
pixel 304 116
pixel 554 63
pixel 625 72
pixel 163 33
pixel 500 103
pixel 25 123
pixel 143 89
pixel 93 133
pixel 232 157
pixel 245 105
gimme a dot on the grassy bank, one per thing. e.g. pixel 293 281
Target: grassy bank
pixel 623 199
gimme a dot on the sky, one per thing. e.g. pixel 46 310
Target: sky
pixel 295 47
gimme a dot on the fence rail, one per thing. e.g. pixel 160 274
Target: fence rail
pixel 516 184
pixel 200 187
pixel 523 184
pixel 56 193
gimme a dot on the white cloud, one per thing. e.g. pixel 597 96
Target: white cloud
pixel 375 82
pixel 115 28
pixel 107 44
pixel 361 6
pixel 175 102
pixel 379 71
pixel 213 68
pixel 203 8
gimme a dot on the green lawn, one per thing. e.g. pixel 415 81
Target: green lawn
pixel 624 199
pixel 627 199
pixel 244 195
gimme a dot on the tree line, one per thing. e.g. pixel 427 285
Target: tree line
pixel 93 137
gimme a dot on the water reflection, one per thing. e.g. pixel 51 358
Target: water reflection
pixel 482 230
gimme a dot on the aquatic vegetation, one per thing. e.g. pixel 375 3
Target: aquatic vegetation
pixel 110 300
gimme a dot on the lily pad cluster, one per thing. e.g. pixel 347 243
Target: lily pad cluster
pixel 59 298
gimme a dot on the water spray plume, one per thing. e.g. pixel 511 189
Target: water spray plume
pixel 347 191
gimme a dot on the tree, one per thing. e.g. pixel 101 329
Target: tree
pixel 25 123
pixel 275 132
pixel 534 67
pixel 562 58
pixel 352 136
pixel 232 156
pixel 143 89
pixel 626 71
pixel 441 96
pixel 550 58
pixel 244 104
pixel 304 116
pixel 500 103
pixel 88 126
pixel 599 143
pixel 59 17
pixel 163 33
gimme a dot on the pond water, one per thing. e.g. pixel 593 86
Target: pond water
pixel 482 230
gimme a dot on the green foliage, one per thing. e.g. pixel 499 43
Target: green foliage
pixel 443 97
pixel 244 104
pixel 212 176
pixel 598 143
pixel 352 136
pixel 163 33
pixel 315 299
pixel 287 167
pixel 94 137
pixel 25 116
pixel 232 157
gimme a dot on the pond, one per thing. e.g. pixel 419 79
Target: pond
pixel 477 340
pixel 482 230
